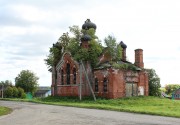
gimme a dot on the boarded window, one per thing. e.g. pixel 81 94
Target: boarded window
pixel 96 85
pixel 105 84
pixel 131 89
pixel 68 73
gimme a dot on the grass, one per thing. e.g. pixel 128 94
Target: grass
pixel 144 105
pixel 4 110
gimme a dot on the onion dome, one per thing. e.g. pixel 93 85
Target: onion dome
pixel 88 24
pixel 124 46
pixel 86 37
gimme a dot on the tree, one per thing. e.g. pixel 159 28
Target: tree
pixel 94 52
pixel 72 45
pixel 5 83
pixel 154 83
pixel 27 80
pixel 114 50
pixel 170 88
pixel 76 33
pixel 56 51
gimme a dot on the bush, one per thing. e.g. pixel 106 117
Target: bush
pixel 8 93
pixel 21 93
pixel 23 96
pixel 15 92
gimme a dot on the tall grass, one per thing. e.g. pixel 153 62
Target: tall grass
pixel 145 105
pixel 142 104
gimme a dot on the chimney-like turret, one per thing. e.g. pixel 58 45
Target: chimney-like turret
pixel 86 38
pixel 85 41
pixel 124 46
pixel 139 58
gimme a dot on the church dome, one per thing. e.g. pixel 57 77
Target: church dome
pixel 88 24
pixel 124 46
pixel 86 37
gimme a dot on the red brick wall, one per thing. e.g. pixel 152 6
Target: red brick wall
pixel 72 89
pixel 143 81
pixel 116 84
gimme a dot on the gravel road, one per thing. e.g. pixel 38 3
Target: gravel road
pixel 38 114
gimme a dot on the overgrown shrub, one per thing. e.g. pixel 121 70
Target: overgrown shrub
pixel 8 93
pixel 21 93
pixel 15 92
pixel 23 96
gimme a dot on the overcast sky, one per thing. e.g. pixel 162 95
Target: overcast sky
pixel 29 27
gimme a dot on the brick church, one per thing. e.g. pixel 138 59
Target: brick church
pixel 69 78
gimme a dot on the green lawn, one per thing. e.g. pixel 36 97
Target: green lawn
pixel 4 110
pixel 144 105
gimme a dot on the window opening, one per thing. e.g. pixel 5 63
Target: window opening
pixel 62 77
pixel 68 73
pixel 96 85
pixel 74 74
pixel 105 84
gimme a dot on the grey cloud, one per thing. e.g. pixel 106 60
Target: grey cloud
pixel 62 7
pixel 26 46
pixel 48 3
pixel 51 4
pixel 8 17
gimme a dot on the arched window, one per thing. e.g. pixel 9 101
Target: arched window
pixel 62 77
pixel 74 74
pixel 96 85
pixel 105 81
pixel 68 73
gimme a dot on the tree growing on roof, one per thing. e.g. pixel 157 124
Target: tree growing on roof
pixel 114 50
pixel 72 44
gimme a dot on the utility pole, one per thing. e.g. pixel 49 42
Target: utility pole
pixel 2 90
pixel 80 86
